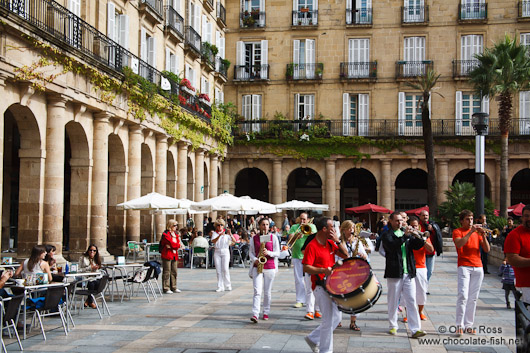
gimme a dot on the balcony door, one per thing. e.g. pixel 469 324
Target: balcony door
pixel 470 46
pixel 361 11
pixel 74 36
pixel 304 109
pixel 409 115
pixel 256 9
pixel 251 112
pixel 472 9
pixel 252 60
pixel 414 55
pixel 468 103
pixel 305 12
pixel 524 113
pixel 358 57
pixel 304 59
pixel 413 11
pixel 355 108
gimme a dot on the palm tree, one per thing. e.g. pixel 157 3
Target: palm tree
pixel 503 70
pixel 425 84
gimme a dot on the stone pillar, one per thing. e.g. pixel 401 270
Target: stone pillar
pixel 331 187
pixel 54 175
pixel 160 179
pixel 386 184
pixel 3 108
pixel 100 171
pixel 226 175
pixel 134 181
pixel 199 184
pixel 182 175
pixel 443 179
pixel 277 188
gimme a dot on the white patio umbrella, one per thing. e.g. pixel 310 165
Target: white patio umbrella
pixel 302 205
pixel 257 206
pixel 223 202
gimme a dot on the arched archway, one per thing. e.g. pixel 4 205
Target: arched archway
pixel 252 182
pixel 304 184
pixel 411 189
pixel 520 186
pixel 116 238
pixel 23 165
pixel 147 186
pixel 357 187
pixel 468 176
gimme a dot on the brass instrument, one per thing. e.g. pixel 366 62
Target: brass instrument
pixel 304 229
pixel 262 259
pixel 493 233
pixel 422 235
pixel 357 228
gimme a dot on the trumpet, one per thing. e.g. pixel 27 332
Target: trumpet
pixel 493 233
pixel 304 229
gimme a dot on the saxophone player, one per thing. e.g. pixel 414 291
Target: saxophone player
pixel 264 252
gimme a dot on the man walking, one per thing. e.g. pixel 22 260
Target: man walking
pixel 437 242
pixel 517 249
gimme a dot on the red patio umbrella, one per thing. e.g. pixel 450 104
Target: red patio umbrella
pixel 416 211
pixel 517 210
pixel 368 208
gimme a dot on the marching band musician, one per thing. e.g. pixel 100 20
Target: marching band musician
pixel 400 271
pixel 421 268
pixel 263 281
pixel 221 256
pixel 319 258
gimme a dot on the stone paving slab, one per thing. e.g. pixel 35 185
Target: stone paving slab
pixel 199 320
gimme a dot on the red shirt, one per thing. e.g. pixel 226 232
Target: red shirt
pixel 469 254
pixel 168 254
pixel 318 255
pixel 518 242
pixel 419 255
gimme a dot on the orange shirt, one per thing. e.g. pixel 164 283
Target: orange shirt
pixel 469 254
pixel 419 255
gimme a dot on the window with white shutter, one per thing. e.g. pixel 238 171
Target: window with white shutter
pixel 251 110
pixel 414 55
pixel 305 106
pixel 409 114
pixel 524 112
pixel 303 59
pixel 468 103
pixel 251 60
pixel 413 11
pixel 355 114
pixel 469 47
pixel 74 6
pixel 358 57
pixel 525 39
pixel 205 85
pixel 472 9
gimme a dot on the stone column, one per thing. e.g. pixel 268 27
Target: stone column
pixel 277 188
pixel 331 187
pixel 214 177
pixel 100 171
pixel 54 174
pixel 160 179
pixel 199 184
pixel 386 184
pixel 443 179
pixel 182 175
pixel 134 181
pixel 226 175
pixel 3 108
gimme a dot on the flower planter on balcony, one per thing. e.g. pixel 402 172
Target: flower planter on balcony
pixel 187 90
pixel 204 101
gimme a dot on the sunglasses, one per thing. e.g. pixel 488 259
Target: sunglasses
pixel 91 250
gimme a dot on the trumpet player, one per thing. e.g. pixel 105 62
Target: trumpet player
pixel 264 258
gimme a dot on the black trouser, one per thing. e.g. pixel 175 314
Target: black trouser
pixel 92 286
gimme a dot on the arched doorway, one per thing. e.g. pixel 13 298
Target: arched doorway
pixel 304 184
pixel 468 176
pixel 147 186
pixel 520 186
pixel 357 187
pixel 116 238
pixel 411 189
pixel 252 182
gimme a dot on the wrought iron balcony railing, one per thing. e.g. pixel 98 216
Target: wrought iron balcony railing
pixel 304 17
pixel 375 128
pixel 462 68
pixel 221 66
pixel 81 39
pixel 208 3
pixel 414 14
pixel 472 12
pixel 174 21
pixel 253 19
pixel 523 8
pixel 251 72
pixel 304 71
pixel 358 70
pixel 207 54
pixel 155 5
pixel 221 12
pixel 193 39
pixel 361 16
pixel 408 69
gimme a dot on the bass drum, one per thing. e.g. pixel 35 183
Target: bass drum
pixel 353 286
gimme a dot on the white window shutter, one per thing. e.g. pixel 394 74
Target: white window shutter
pixel 209 31
pixel 485 104
pixel 247 106
pixel 401 114
pixel 310 58
pixel 310 113
pixel 222 48
pixel 204 29
pixel 524 112
pixel 73 5
pixel 264 59
pixel 429 104
pixel 197 18
pixel 143 44
pixel 296 51
pixel 295 5
pixel 262 10
pixel 168 59
pixel 124 31
pixel 218 40
pixel 349 18
pixel 174 64
pixel 364 107
pixel 315 4
pixel 458 113
pixel 346 131
pixel 408 49
pixel 240 55
pixel 151 45
pixel 296 106
pixel 111 21
pixel 256 107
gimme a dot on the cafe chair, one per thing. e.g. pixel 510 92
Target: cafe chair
pixel 152 275
pixel 97 293
pixel 53 305
pixel 195 254
pixel 138 278
pixel 236 254
pixel 9 312
pixel 132 249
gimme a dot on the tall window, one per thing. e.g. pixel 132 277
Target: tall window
pixel 358 11
pixel 147 54
pixel 304 106
pixel 205 85
pixel 471 45
pixel 359 57
pixel 473 9
pixel 524 112
pixel 468 103
pixel 118 31
pixel 219 96
pixel 355 114
pixel 252 60
pixel 409 114
pixel 206 35
pixel 304 58
pixel 525 40
pixel 255 9
pixel 171 62
pixel 194 17
pixel 413 11
pixel 75 34
pixel 305 12
pixel 190 75
pixel 414 55
pixel 251 111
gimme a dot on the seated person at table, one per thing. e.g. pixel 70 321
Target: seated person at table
pixel 200 242
pixel 7 274
pixel 90 262
pixel 35 264
pixel 50 259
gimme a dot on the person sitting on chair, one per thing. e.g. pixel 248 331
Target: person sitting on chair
pixel 90 262
pixel 200 242
pixel 35 264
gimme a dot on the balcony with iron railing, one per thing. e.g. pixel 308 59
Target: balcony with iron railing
pixel 48 19
pixel 221 15
pixel 221 67
pixel 253 19
pixel 305 17
pixel 358 70
pixel 174 23
pixel 377 128
pixel 208 5
pixel 462 68
pixel 523 10
pixel 193 41
pixel 359 17
pixel 472 12
pixel 251 72
pixel 411 69
pixel 414 15
pixel 208 56
pixel 154 8
pixel 304 71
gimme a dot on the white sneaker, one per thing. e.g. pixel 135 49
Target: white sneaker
pixel 312 345
pixel 220 290
pixel 168 292
pixel 228 288
pixel 177 290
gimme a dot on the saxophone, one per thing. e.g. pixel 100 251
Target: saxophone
pixel 262 259
pixel 357 230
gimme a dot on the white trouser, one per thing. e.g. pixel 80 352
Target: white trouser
pixel 469 282
pixel 406 289
pixel 262 281
pixel 299 283
pixel 421 286
pixel 309 296
pixel 331 316
pixel 526 294
pixel 222 259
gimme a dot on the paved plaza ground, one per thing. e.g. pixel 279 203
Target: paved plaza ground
pixel 201 320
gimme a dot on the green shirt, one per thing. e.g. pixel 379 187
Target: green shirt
pixel 399 234
pixel 296 250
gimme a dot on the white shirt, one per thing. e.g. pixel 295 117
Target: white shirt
pixel 223 242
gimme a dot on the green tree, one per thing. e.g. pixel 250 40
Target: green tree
pixel 503 69
pixel 425 84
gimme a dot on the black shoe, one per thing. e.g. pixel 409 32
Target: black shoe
pixel 428 293
pixel 486 273
pixel 508 306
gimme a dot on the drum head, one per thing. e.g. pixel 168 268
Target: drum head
pixel 346 279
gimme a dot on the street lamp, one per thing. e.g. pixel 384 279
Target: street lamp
pixel 480 125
